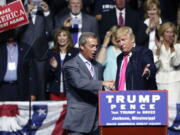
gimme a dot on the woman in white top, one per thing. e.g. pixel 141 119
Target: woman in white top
pixel 167 59
pixel 152 20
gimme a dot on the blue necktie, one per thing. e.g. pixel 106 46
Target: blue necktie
pixel 75 33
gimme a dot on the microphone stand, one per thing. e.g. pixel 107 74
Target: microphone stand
pixel 133 60
pixel 28 57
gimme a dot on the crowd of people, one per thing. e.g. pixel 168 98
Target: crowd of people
pixel 71 49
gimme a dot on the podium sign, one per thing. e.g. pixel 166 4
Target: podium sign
pixel 132 108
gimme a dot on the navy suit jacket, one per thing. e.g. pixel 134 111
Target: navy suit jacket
pixel 132 19
pixel 53 75
pixel 141 56
pixel 22 69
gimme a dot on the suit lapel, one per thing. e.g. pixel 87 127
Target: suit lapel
pixel 58 58
pixel 3 59
pixel 68 56
pixel 129 68
pixel 20 58
pixel 83 67
pixel 96 70
pixel 83 22
pixel 37 22
pixel 119 62
pixel 113 17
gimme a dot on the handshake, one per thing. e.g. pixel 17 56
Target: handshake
pixel 109 84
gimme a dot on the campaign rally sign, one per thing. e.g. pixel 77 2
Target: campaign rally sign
pixel 12 15
pixel 135 108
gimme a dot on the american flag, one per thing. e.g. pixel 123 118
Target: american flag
pixel 174 118
pixel 46 118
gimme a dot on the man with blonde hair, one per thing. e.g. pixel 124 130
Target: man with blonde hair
pixel 136 69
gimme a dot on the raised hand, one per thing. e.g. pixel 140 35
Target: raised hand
pixel 53 62
pixel 44 6
pixel 67 22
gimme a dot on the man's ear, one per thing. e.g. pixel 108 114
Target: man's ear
pixel 133 40
pixel 68 5
pixel 81 47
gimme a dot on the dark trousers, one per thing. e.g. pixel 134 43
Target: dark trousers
pixel 9 92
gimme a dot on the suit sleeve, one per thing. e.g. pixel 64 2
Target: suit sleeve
pixel 78 79
pixel 49 25
pixel 148 59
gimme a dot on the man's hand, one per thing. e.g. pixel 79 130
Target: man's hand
pixel 44 6
pixel 33 97
pixel 109 84
pixel 107 38
pixel 30 7
pixel 67 22
pixel 146 72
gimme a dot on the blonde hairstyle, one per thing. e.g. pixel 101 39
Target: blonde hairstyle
pixel 114 29
pixel 125 31
pixel 166 26
pixel 149 4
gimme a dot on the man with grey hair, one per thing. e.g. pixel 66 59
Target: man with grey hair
pixel 83 79
pixel 77 21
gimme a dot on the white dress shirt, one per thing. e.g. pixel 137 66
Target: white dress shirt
pixel 118 13
pixel 79 17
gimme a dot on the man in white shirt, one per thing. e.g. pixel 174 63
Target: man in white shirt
pixel 83 79
pixel 123 15
pixel 77 20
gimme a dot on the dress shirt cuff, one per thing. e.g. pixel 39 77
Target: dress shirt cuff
pixel 172 55
pixel 46 13
pixel 156 58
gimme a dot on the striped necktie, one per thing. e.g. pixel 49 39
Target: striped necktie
pixel 121 20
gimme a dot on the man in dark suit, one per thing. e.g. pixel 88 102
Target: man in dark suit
pixel 136 69
pixel 14 71
pixel 83 78
pixel 37 34
pixel 123 15
pixel 77 21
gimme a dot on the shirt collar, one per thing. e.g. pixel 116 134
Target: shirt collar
pixel 83 58
pixel 131 52
pixel 13 45
pixel 118 11
pixel 78 16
